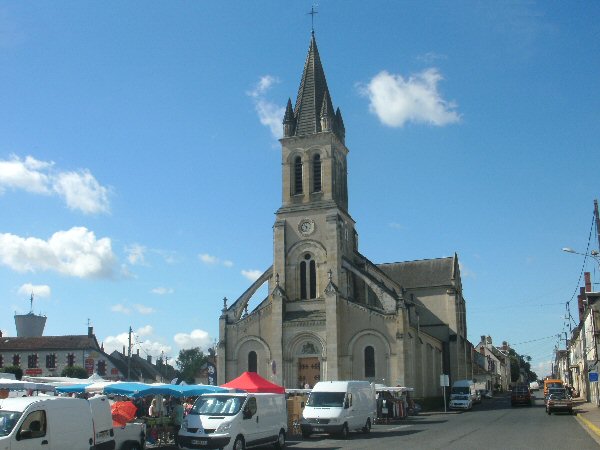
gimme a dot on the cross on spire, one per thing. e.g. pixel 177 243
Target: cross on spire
pixel 312 17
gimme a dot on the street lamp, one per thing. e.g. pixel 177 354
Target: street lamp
pixel 594 254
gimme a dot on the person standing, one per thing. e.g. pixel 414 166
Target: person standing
pixel 177 415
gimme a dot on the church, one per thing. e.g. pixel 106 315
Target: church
pixel 331 313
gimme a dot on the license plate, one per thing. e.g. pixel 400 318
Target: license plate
pixel 318 429
pixel 199 441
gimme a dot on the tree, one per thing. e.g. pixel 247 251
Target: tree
pixel 74 372
pixel 189 363
pixel 16 370
pixel 520 364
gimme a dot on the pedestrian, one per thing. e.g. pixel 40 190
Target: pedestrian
pixel 153 411
pixel 177 416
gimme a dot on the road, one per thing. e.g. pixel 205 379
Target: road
pixel 493 424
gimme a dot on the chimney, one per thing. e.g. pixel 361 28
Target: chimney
pixel 137 352
pixel 123 350
pixel 149 358
pixel 588 282
pixel 90 331
pixel 580 305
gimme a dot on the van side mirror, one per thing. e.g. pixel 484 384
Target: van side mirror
pixel 346 404
pixel 247 414
pixel 302 405
pixel 24 434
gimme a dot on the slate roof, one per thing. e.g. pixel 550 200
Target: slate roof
pixel 73 342
pixel 311 92
pixel 421 273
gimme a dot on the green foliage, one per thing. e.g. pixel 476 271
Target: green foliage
pixel 74 372
pixel 189 363
pixel 520 364
pixel 16 370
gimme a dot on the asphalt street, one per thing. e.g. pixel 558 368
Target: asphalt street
pixel 493 424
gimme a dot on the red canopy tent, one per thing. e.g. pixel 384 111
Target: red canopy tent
pixel 253 382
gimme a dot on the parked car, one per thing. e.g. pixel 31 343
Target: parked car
pixel 556 390
pixel 520 395
pixel 559 401
pixel 487 394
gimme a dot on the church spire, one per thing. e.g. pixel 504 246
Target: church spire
pixel 313 90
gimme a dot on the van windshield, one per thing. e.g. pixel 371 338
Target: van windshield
pixel 461 390
pixel 221 405
pixel 326 399
pixel 8 420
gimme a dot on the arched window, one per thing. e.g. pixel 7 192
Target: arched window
pixel 369 362
pixel 252 362
pixel 297 175
pixel 308 278
pixel 317 173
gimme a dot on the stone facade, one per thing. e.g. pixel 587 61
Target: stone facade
pixel 48 356
pixel 331 314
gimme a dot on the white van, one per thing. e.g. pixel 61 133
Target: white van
pixel 338 407
pixel 235 421
pixel 58 423
pixel 462 395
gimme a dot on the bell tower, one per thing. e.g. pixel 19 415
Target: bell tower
pixel 313 230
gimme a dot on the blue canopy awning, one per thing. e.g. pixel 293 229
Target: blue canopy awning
pixel 136 390
pixel 71 388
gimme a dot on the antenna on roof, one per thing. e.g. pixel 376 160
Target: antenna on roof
pixel 312 17
pixel 31 303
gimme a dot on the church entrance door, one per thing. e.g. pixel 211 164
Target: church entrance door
pixel 309 371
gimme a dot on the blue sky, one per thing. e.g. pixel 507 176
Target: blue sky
pixel 140 168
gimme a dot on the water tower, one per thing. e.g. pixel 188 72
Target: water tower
pixel 30 324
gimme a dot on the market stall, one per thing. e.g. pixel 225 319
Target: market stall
pixel 253 382
pixel 392 402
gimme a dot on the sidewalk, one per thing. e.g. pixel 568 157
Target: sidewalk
pixel 588 415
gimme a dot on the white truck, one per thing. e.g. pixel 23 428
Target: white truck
pixel 462 395
pixel 336 407
pixel 59 423
pixel 235 421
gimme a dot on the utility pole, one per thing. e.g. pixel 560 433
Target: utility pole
pixel 129 357
pixel 569 376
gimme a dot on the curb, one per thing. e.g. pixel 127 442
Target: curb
pixel 589 425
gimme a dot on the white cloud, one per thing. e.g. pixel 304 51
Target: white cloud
pixel 136 254
pixel 214 260
pixel 41 290
pixel 396 225
pixel 197 338
pixel 24 174
pixel 119 308
pixel 263 85
pixel 146 330
pixel 144 310
pixel 269 113
pixel 146 347
pixel 75 252
pixel 466 272
pixel 162 291
pixel 397 101
pixel 208 259
pixel 252 275
pixel 80 190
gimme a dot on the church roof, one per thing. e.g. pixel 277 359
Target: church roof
pixel 421 273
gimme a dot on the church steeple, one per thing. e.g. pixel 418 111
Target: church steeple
pixel 313 102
